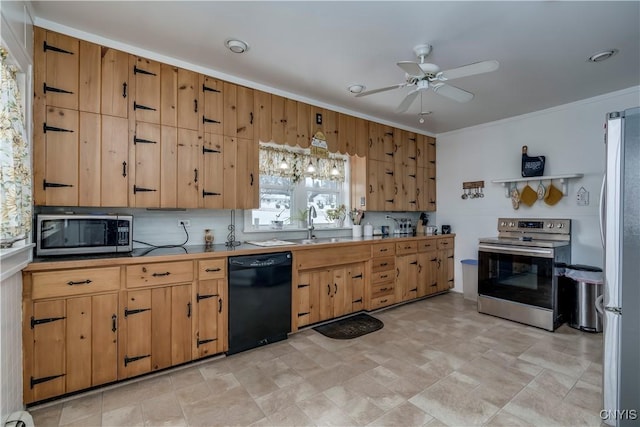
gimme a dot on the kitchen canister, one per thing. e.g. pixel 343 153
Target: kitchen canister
pixel 368 230
pixel 356 231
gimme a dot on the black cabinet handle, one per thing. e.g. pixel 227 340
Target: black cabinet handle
pixel 212 270
pixel 328 289
pixel 166 273
pixel 189 309
pixel 83 282
pixel 370 188
pixel 397 272
pixel 220 305
pixel 114 323
pixel 124 89
pixel 124 169
pixel 336 288
pixel 195 105
pixel 195 173
pixel 419 268
pixel 251 176
pixel 251 118
pixel 384 276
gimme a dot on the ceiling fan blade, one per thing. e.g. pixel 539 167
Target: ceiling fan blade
pixel 452 92
pixel 469 70
pixel 411 68
pixel 407 101
pixel 383 89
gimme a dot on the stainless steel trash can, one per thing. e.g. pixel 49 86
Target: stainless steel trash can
pixel 583 285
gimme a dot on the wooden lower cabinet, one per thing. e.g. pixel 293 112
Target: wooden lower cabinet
pixel 326 293
pixel 73 345
pixel 210 332
pixel 406 287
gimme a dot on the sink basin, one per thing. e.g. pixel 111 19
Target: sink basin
pixel 317 241
pixel 308 241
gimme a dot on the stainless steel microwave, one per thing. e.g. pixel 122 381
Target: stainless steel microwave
pixel 72 234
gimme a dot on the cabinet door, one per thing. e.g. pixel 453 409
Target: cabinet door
pixel 213 171
pixel 406 287
pixel 247 176
pixel 374 194
pixel 374 143
pixel 136 348
pixel 78 344
pixel 262 108
pixel 346 133
pixel 362 137
pixel 89 170
pixel 146 187
pixel 446 269
pixel 431 190
pixel 302 308
pixel 244 113
pixel 230 107
pixel 189 169
pixel 356 282
pixel 168 95
pixel 303 125
pixel 104 338
pixel 61 57
pixel 114 158
pixel 410 185
pixel 325 121
pixel 146 102
pixel 388 147
pixel 188 99
pixel 61 157
pixel 230 155
pixel 89 75
pixel 291 125
pixel 168 167
pixel 342 294
pixel 181 324
pixel 209 337
pixel 421 189
pixel 115 83
pixel 423 278
pixel 433 272
pixel 278 119
pixel 213 105
pixel 49 368
pixel 388 187
pixel 325 281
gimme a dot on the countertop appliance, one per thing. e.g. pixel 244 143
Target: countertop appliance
pixel 620 232
pixel 516 270
pixel 259 300
pixel 75 234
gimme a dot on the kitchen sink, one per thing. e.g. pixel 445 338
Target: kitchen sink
pixel 317 241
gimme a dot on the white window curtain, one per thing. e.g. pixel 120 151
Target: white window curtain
pixel 297 164
pixel 15 173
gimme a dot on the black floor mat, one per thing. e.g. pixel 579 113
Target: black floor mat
pixel 351 327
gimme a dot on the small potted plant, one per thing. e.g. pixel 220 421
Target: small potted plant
pixel 337 215
pixel 300 217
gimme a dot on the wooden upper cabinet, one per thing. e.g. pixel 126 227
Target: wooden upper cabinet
pixel 230 107
pixel 410 150
pixel 262 116
pixel 61 63
pixel 188 99
pixel 303 127
pixel 247 176
pixel 245 115
pixel 114 158
pixel 284 113
pixel 346 134
pixel 89 153
pixel 431 152
pixel 115 83
pixel 388 146
pixel 213 105
pixel 421 151
pixel 325 121
pixel 168 95
pixel 362 137
pixel 90 71
pixel 189 174
pixel 374 142
pixel 146 183
pixel 399 147
pixel 146 101
pixel 168 185
pixel 212 172
pixel 60 182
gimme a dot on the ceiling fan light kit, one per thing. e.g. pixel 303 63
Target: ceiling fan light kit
pixel 423 75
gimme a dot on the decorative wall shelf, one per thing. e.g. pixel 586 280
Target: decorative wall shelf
pixel 509 183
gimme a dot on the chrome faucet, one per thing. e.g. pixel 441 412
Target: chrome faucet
pixel 311 214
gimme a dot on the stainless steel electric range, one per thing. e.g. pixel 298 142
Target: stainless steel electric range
pixel 517 270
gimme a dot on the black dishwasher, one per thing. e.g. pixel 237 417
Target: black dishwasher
pixel 259 300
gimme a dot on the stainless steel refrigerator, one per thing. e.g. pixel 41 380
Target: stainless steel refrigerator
pixel 620 229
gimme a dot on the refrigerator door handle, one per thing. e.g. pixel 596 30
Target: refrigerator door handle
pixel 599 304
pixel 602 207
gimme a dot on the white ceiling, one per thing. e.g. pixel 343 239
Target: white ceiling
pixel 313 51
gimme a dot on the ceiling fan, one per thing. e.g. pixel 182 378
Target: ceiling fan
pixel 424 75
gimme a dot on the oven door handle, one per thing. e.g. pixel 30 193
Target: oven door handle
pixel 545 253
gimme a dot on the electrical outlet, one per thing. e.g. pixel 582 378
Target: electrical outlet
pixel 185 222
pixel 582 197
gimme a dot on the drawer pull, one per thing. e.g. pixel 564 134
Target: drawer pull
pixel 200 342
pixel 384 276
pixel 384 289
pixel 357 301
pixel 384 250
pixel 384 264
pixel 83 282
pixel 302 314
pixel 212 270
pixel 413 290
pixel 199 297
pixel 444 243
pixel 357 276
pixel 166 273
pixel 383 301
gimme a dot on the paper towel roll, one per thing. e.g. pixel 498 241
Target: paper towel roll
pixel 368 230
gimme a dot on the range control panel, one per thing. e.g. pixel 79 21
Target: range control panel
pixel 535 225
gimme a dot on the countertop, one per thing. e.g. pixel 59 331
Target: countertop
pixel 200 251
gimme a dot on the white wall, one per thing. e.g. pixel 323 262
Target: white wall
pixel 572 139
pixel 17 38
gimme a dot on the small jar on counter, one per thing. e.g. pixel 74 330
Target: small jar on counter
pixel 208 237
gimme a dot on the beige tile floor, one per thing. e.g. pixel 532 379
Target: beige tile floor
pixel 435 362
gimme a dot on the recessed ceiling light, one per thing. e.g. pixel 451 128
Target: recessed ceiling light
pixel 602 56
pixel 236 46
pixel 357 88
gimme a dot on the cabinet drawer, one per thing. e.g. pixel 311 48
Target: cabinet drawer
pixel 427 245
pixel 159 273
pixel 446 243
pixel 403 248
pixel 212 269
pixel 75 282
pixel 382 290
pixel 382 249
pixel 382 276
pixel 382 301
pixel 382 264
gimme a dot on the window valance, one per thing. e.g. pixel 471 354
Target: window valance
pixel 299 164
